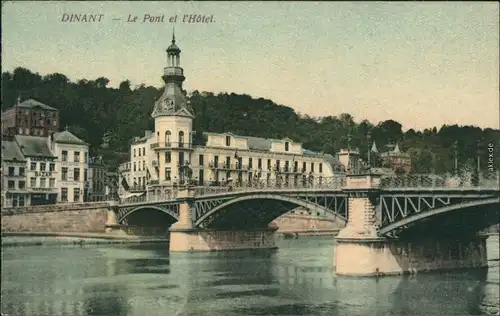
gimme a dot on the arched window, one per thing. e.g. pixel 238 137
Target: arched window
pixel 167 138
pixel 287 146
pixel 181 139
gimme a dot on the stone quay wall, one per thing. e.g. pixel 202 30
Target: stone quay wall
pixel 211 240
pixel 81 217
pixel 307 224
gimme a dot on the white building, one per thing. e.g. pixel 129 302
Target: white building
pixel 167 157
pixel 43 170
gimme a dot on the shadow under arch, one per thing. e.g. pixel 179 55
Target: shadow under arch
pixel 148 220
pixel 492 205
pixel 256 211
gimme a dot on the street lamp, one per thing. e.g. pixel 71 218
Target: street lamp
pixel 349 141
pixel 368 137
pixel 478 151
pixel 455 149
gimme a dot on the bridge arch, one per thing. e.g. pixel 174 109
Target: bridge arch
pixel 284 202
pixel 440 211
pixel 157 215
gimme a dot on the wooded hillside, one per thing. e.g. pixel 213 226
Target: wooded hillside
pixel 109 118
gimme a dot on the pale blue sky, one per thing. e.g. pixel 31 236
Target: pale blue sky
pixel 422 64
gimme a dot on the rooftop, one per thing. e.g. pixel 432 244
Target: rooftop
pixel 66 137
pixel 30 103
pixel 33 146
pixel 11 151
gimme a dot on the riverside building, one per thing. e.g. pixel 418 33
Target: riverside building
pixel 43 170
pixel 166 157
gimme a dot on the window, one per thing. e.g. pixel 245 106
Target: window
pixel 144 151
pixel 21 171
pixel 33 166
pixel 200 160
pixel 287 146
pixel 139 152
pixel 167 174
pixel 228 162
pixel 181 158
pixel 259 163
pixel 304 166
pixel 76 194
pixel 277 165
pixel 43 182
pixel 64 174
pixel 77 156
pixel 268 164
pixel 216 160
pixel 52 182
pixel 320 168
pixel 12 170
pixel 42 166
pixel 168 157
pixel 54 123
pixel 143 165
pixel 139 166
pixel 76 174
pixel 240 162
pixel 85 176
pixel 181 139
pixel 167 138
pixel 32 182
pixel 22 185
pixel 64 194
pixel 312 166
pixel 134 152
pixel 135 166
pixel 228 140
pixel 64 155
pixel 11 184
pixel 52 167
pixel 286 166
pixel 85 157
pixel 250 163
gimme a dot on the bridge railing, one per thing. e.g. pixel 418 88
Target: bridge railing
pixel 335 182
pixel 489 180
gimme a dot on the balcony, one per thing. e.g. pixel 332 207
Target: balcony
pixel 42 190
pixel 170 145
pixel 137 188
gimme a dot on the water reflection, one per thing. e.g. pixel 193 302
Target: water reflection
pixel 104 299
pixel 297 280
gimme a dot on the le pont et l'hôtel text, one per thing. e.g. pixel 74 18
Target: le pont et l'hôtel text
pixel 141 19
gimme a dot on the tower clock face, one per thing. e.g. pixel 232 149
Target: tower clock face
pixel 167 104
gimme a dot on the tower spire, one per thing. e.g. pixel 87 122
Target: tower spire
pixel 173 35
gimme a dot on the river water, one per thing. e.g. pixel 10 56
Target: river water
pixel 297 279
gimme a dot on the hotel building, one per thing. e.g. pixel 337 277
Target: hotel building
pixel 166 156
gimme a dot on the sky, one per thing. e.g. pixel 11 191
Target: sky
pixel 422 64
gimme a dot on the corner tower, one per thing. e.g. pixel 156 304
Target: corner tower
pixel 173 123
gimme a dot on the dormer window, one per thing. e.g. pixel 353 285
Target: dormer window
pixel 287 146
pixel 228 140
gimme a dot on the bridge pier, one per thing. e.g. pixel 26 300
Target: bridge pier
pixel 359 251
pixel 184 237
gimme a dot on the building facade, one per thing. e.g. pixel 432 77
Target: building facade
pixel 167 157
pixel 393 158
pixel 43 170
pixel 30 118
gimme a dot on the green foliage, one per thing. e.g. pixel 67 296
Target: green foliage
pixel 109 118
